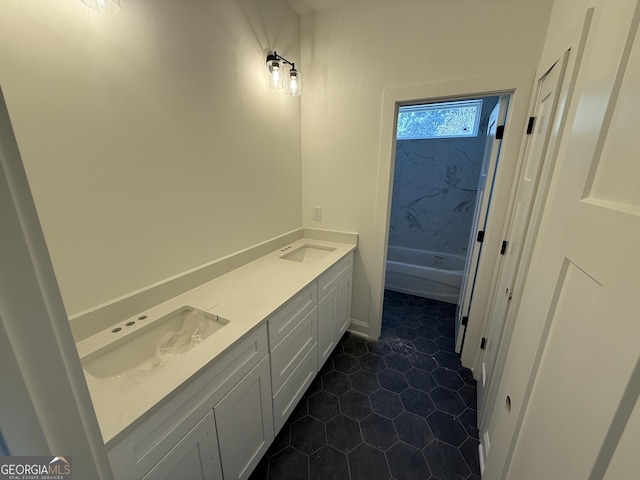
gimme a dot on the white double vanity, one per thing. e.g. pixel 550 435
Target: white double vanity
pixel 199 385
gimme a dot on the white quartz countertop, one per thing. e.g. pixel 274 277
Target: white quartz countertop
pixel 246 297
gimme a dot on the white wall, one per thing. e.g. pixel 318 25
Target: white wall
pixel 151 142
pixel 351 55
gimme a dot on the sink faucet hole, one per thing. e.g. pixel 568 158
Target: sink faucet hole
pixel 142 317
pixel 116 330
pixel 132 322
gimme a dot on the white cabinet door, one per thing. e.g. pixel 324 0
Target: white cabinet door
pixel 327 312
pixel 334 317
pixel 244 419
pixel 286 399
pixel 344 306
pixel 195 456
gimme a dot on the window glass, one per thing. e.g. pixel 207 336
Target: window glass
pixel 439 120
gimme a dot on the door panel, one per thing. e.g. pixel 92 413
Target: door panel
pixel 574 315
pixel 615 181
pixel 571 368
pixel 483 199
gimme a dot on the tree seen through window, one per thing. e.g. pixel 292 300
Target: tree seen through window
pixel 438 120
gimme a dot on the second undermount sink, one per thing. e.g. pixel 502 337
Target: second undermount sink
pixel 308 253
pixel 151 343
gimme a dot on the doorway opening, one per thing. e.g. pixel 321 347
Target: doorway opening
pixel 446 157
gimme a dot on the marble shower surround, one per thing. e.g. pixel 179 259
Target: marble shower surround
pixel 434 190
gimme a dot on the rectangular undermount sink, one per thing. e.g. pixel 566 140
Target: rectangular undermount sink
pixel 150 343
pixel 307 253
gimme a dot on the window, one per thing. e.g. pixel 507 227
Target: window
pixel 439 120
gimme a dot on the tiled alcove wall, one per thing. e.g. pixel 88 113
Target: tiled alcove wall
pixel 434 190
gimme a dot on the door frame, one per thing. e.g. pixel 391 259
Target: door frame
pixel 517 84
pixel 47 408
pixel 523 254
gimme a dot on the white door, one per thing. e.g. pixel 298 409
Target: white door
pixel 483 199
pixel 570 380
pixel 533 180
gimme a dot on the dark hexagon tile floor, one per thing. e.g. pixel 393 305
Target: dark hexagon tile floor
pixel 398 408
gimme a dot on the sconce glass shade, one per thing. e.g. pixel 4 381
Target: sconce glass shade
pixel 275 71
pixel 105 6
pixel 293 83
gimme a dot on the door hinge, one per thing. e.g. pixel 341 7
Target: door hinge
pixel 480 237
pixel 503 249
pixel 483 343
pixel 499 132
pixel 532 120
pixel 465 321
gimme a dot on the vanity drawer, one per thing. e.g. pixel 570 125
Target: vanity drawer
pixel 331 277
pixel 291 314
pixel 288 354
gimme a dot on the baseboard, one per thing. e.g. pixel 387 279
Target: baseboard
pixel 359 328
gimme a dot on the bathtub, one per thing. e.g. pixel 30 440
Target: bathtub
pixel 423 273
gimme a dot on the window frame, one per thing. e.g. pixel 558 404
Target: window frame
pixel 440 106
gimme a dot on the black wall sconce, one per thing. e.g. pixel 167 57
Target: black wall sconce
pixel 278 78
